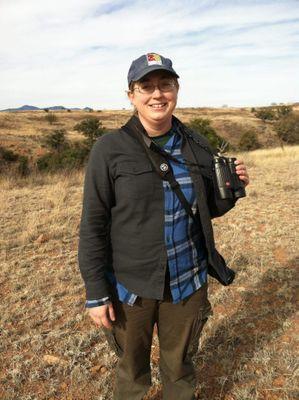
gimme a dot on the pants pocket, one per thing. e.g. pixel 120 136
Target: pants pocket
pixel 112 342
pixel 199 323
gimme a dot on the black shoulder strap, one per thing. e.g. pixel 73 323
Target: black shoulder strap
pixel 159 162
pixel 175 186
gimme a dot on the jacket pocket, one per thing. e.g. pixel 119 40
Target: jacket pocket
pixel 134 179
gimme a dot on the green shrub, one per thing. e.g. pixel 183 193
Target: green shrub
pixel 51 118
pixel 265 113
pixel 287 128
pixel 23 166
pixel 69 158
pixel 203 126
pixel 14 163
pixel 7 156
pixel 282 111
pixel 91 128
pixel 249 141
pixel 56 140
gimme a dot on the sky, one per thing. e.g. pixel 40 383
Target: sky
pixel 77 53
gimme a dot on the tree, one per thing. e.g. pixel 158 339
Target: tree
pixel 91 128
pixel 203 126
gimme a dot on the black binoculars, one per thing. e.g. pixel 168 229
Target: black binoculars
pixel 228 182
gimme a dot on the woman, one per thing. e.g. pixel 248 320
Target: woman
pixel 144 254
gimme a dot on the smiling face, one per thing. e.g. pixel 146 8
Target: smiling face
pixel 155 109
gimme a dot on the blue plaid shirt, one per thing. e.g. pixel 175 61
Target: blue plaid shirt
pixel 186 253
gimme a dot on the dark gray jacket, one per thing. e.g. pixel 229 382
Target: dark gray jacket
pixel 122 224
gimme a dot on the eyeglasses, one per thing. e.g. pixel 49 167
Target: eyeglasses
pixel 149 88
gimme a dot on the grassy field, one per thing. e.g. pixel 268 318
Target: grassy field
pixel 49 348
pixel 23 132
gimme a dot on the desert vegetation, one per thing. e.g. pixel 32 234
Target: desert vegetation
pixel 49 348
pixel 40 141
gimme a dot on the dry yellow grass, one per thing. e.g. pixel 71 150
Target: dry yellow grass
pixel 23 131
pixel 49 348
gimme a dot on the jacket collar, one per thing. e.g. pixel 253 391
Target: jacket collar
pixel 134 124
pixel 189 137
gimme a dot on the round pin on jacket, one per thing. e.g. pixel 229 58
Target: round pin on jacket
pixel 164 167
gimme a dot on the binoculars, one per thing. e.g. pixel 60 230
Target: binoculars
pixel 229 184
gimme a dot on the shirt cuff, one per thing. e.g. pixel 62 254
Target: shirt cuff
pixel 97 302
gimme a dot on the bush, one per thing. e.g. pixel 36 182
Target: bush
pixel 282 111
pixel 51 118
pixel 91 128
pixel 273 113
pixel 69 158
pixel 287 128
pixel 23 167
pixel 56 140
pixel 13 163
pixel 249 141
pixel 7 156
pixel 265 113
pixel 203 126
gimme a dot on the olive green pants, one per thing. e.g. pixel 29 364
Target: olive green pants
pixel 178 326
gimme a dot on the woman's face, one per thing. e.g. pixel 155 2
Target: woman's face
pixel 157 107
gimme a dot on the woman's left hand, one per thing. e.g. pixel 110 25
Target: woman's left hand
pixel 242 171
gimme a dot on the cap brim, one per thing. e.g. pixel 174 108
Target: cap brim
pixel 152 68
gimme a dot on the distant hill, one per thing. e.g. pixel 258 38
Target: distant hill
pixel 23 108
pixel 52 108
pixel 55 108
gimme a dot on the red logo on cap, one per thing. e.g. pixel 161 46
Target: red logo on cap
pixel 151 57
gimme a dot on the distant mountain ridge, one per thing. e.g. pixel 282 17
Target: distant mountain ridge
pixel 27 107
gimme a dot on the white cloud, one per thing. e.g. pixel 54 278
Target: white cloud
pixel 77 52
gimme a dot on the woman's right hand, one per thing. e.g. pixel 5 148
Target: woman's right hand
pixel 102 315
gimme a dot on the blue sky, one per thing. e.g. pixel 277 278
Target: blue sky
pixel 77 52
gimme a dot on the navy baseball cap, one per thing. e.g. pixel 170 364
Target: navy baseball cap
pixel 147 63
